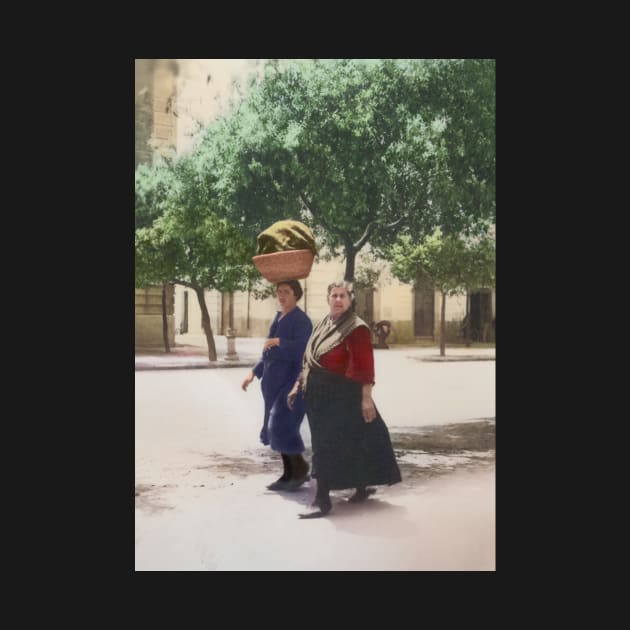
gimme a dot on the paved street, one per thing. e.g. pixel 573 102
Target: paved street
pixel 201 502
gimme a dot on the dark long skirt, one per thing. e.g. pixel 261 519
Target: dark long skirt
pixel 347 451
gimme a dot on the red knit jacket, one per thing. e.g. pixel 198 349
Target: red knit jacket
pixel 353 357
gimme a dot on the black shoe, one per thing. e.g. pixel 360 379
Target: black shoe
pixel 279 484
pixel 294 484
pixel 299 471
pixel 361 495
pixel 324 504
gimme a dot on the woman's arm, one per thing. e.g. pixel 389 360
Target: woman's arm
pixel 361 368
pixel 247 380
pixel 294 392
pixel 361 356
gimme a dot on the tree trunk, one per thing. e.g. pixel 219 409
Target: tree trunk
pixel 467 329
pixel 205 324
pixel 231 310
pixel 443 326
pixel 350 259
pixel 248 295
pixel 164 321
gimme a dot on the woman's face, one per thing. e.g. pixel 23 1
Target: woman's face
pixel 286 297
pixel 339 301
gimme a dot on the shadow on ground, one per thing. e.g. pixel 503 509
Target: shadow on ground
pixel 422 454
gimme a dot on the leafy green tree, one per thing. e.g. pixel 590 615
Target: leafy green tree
pixel 302 148
pixel 463 95
pixel 451 264
pixel 358 149
pixel 187 240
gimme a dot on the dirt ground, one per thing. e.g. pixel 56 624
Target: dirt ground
pixel 422 453
pixel 444 449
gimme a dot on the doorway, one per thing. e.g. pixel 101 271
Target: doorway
pixel 365 305
pixel 481 315
pixel 423 311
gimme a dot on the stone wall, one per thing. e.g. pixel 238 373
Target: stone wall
pixel 148 319
pixel 155 131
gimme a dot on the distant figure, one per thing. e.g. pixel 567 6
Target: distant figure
pixel 465 329
pixel 382 330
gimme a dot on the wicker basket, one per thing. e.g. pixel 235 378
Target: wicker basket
pixel 293 264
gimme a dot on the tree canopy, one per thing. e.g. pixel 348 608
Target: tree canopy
pixel 361 150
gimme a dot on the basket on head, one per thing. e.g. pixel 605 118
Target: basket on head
pixel 286 235
pixel 292 264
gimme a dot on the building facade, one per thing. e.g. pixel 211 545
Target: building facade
pixel 414 313
pixel 156 132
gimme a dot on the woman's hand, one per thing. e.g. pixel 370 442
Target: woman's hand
pixel 248 379
pixel 292 394
pixel 368 409
pixel 270 343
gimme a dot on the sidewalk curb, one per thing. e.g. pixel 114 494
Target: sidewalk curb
pixel 448 359
pixel 196 366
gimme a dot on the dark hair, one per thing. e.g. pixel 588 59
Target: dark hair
pixel 295 287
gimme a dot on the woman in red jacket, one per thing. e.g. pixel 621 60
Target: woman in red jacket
pixel 351 444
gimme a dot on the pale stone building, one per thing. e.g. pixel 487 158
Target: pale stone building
pixel 155 129
pixel 414 314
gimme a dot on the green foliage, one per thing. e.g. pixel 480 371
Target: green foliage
pixel 188 240
pixel 465 99
pixel 451 264
pixel 360 150
pixel 368 271
pixel 379 151
pixel 152 188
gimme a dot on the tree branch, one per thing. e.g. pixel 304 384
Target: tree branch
pixel 395 223
pixel 364 237
pixel 370 229
pixel 185 283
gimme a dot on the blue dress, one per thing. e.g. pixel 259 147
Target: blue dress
pixel 279 368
